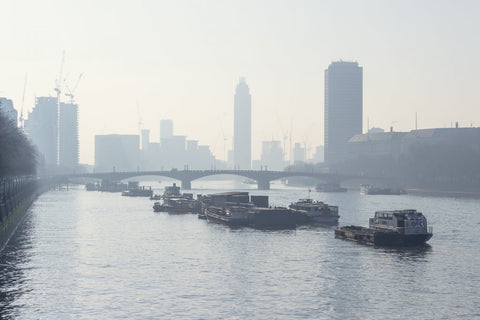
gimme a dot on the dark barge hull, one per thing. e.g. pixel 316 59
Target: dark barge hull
pixel 272 218
pixel 380 237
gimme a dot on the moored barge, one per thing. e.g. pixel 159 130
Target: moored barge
pixel 307 210
pixel 390 228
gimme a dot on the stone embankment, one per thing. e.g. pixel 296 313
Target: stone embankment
pixel 16 196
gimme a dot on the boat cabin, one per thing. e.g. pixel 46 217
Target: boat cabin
pixel 408 221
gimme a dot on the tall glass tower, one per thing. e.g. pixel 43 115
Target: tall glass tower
pixel 242 127
pixel 343 108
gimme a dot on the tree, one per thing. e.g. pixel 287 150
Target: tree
pixel 18 156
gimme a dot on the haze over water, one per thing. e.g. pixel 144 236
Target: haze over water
pixel 93 255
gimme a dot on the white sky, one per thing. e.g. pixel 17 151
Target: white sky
pixel 181 60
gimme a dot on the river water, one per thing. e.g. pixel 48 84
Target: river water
pixel 94 255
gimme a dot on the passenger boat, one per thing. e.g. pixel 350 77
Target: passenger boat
pixel 134 190
pixel 307 210
pixel 390 228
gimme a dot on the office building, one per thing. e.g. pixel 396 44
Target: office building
pixel 242 127
pixel 343 108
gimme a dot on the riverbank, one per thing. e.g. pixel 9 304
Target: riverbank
pixel 16 197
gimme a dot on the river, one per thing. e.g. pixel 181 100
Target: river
pixel 94 255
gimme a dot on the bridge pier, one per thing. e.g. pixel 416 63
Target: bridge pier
pixel 186 184
pixel 263 184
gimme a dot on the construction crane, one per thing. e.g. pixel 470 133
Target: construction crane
pixel 59 81
pixel 71 93
pixel 23 99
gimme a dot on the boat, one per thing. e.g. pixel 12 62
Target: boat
pixel 171 191
pixel 372 190
pixel 134 190
pixel 173 205
pixel 232 215
pixel 113 186
pixel 241 209
pixel 329 187
pixel 92 187
pixel 271 218
pixel 390 228
pixel 307 210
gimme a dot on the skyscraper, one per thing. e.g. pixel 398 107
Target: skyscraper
pixel 42 129
pixel 343 107
pixel 242 127
pixel 68 136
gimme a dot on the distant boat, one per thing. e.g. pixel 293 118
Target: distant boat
pixel 329 187
pixel 371 190
pixel 134 190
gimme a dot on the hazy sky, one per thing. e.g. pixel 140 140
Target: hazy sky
pixel 181 60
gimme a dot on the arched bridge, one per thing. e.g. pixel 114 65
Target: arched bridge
pixel 263 178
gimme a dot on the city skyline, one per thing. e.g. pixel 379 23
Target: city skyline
pixel 183 59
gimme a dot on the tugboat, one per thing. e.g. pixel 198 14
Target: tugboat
pixel 390 228
pixel 306 210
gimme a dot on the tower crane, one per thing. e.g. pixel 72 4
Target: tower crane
pixel 71 93
pixel 23 99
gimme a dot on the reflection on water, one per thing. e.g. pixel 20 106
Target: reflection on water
pixel 99 255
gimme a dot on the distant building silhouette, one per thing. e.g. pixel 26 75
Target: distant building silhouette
pixel 145 139
pixel 6 107
pixel 68 137
pixel 298 153
pixel 343 108
pixel 318 156
pixel 42 129
pixel 272 155
pixel 117 151
pixel 242 127
pixel 166 129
